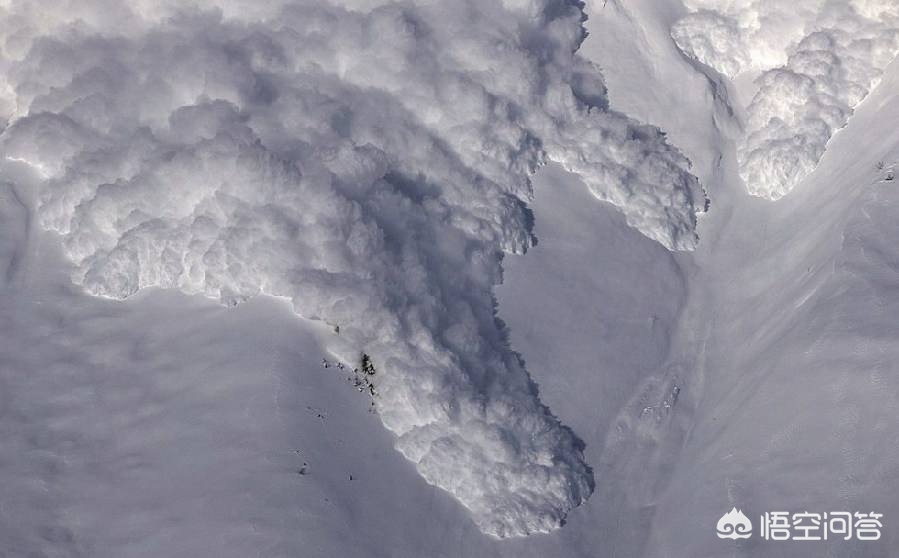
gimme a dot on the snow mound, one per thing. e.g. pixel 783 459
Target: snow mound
pixel 818 59
pixel 369 162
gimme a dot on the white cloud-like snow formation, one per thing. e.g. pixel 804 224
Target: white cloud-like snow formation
pixel 818 59
pixel 368 161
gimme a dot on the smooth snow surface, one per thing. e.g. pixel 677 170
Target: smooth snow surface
pixel 368 164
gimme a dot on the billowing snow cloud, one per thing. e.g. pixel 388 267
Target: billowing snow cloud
pixel 369 162
pixel 818 59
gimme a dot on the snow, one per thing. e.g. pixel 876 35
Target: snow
pixel 818 60
pixel 392 198
pixel 369 165
pixel 799 394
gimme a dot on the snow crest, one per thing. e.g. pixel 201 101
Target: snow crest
pixel 817 60
pixel 367 161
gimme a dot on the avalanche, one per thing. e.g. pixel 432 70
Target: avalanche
pixel 370 163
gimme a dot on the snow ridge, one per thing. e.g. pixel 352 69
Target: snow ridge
pixel 818 59
pixel 367 161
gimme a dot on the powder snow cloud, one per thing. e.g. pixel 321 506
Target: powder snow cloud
pixel 368 161
pixel 816 59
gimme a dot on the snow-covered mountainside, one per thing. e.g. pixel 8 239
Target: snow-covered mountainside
pixel 813 61
pixel 211 210
pixel 369 163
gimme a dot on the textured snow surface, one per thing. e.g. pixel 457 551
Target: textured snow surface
pixel 815 61
pixel 368 162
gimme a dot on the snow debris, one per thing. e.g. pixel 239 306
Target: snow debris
pixel 368 161
pixel 817 60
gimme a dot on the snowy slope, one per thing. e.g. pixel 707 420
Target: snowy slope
pixel 812 62
pixel 755 372
pixel 800 397
pixel 171 426
pixel 782 352
pixel 368 162
pixel 791 402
